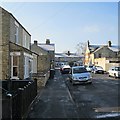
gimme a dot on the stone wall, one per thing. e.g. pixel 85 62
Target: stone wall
pixel 43 63
pixel 5 45
pixel 42 78
pixel 0 42
pixel 105 52
pixel 43 58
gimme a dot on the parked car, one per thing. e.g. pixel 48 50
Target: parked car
pixel 79 74
pixel 98 69
pixel 89 68
pixel 65 69
pixel 114 71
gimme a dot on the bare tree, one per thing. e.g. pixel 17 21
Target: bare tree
pixel 80 48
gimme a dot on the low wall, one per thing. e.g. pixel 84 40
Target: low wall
pixel 41 78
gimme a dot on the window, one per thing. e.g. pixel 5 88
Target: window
pixel 15 67
pixel 79 70
pixel 28 65
pixel 26 40
pixel 99 55
pixel 16 34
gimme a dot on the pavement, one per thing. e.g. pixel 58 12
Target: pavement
pixel 54 101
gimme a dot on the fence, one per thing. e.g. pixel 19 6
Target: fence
pixel 15 104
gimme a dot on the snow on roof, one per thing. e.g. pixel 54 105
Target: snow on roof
pixel 65 55
pixel 47 47
pixel 114 48
pixel 92 48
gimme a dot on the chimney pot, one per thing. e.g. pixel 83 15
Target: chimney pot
pixel 109 43
pixel 47 41
pixel 35 42
pixel 88 43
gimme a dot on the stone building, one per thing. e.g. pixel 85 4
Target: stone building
pixel 16 58
pixel 45 61
pixel 43 58
pixel 66 58
pixel 102 55
pixel 50 49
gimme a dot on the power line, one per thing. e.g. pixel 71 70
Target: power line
pixel 49 18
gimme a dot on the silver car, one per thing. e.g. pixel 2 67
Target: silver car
pixel 79 74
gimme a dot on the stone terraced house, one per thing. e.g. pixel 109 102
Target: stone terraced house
pixel 16 58
pixel 46 56
pixel 105 56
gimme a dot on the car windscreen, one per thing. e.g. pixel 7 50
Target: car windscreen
pixel 90 66
pixel 66 69
pixel 79 70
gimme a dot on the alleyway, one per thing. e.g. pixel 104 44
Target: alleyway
pixel 54 101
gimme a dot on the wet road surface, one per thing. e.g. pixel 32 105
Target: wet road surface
pixel 54 101
pixel 60 99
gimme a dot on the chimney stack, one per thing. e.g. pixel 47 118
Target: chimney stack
pixel 109 43
pixel 35 42
pixel 88 43
pixel 47 41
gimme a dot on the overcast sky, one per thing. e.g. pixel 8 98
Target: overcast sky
pixel 67 23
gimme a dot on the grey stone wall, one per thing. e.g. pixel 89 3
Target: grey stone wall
pixel 43 58
pixel 0 42
pixel 43 63
pixel 5 45
pixel 105 52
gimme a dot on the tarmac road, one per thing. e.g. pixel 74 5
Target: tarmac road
pixel 97 100
pixel 60 99
pixel 54 101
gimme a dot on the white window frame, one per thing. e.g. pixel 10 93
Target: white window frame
pixel 16 32
pixel 28 60
pixel 16 35
pixel 12 54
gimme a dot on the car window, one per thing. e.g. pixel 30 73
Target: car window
pixel 113 69
pixel 117 69
pixel 90 66
pixel 79 70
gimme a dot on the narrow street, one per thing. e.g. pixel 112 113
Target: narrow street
pixel 54 101
pixel 60 99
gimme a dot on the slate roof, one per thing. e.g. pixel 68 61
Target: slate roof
pixel 114 48
pixel 92 48
pixel 65 55
pixel 47 47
